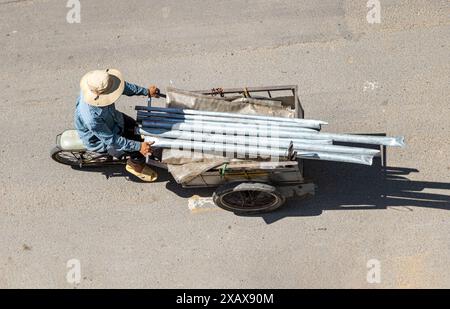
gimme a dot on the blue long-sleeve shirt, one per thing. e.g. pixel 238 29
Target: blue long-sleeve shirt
pixel 100 128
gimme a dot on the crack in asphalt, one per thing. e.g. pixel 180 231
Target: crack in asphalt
pixel 14 1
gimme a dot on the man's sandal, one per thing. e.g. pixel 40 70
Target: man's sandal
pixel 142 171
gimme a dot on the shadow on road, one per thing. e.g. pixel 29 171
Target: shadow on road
pixel 118 170
pixel 163 176
pixel 343 186
pixel 340 186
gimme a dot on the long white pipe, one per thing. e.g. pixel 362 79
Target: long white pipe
pixel 191 118
pixel 280 133
pixel 187 135
pixel 270 127
pixel 233 151
pixel 231 115
pixel 299 145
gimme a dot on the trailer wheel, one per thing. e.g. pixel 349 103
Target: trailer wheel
pixel 248 197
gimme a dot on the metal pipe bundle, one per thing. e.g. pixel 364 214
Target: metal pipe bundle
pixel 299 145
pixel 208 136
pixel 230 116
pixel 233 151
pixel 145 115
pixel 253 135
pixel 277 132
pixel 167 123
pixel 281 132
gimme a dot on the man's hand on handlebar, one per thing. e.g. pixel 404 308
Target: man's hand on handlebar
pixel 146 148
pixel 153 91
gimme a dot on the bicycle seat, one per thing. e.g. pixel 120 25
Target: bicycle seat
pixel 70 140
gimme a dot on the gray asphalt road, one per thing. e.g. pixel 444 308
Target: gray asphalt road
pixel 391 77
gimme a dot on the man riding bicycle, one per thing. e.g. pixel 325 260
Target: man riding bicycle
pixel 104 129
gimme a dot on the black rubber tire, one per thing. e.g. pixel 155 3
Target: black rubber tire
pixel 266 195
pixel 55 154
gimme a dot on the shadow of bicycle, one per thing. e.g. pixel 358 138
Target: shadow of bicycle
pixel 350 186
pixel 340 186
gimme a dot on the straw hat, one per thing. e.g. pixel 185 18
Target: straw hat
pixel 102 87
